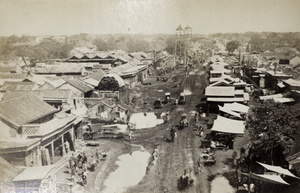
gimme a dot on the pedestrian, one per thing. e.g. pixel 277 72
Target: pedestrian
pixel 72 168
pixel 84 158
pixel 172 133
pixel 130 135
pixel 84 167
pixel 93 163
pixel 67 146
pixel 84 178
pixel 199 166
pixel 97 156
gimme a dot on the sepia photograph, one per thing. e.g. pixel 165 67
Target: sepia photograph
pixel 149 96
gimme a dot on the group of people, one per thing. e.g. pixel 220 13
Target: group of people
pixel 186 179
pixel 78 163
pixel 81 161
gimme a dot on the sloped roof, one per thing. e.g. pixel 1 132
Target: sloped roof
pixel 42 94
pixel 8 68
pixel 91 81
pixel 219 91
pixel 34 173
pixel 27 108
pixel 9 85
pixel 97 75
pixel 8 171
pixel 57 69
pixel 12 76
pixel 80 85
pixel 225 125
pixel 120 69
pixel 179 28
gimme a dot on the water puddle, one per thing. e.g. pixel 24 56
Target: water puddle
pixel 221 184
pixel 144 120
pixel 131 169
pixel 186 92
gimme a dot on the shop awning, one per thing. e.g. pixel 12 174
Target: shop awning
pixel 225 125
pixel 228 111
pixel 280 85
pixel 225 99
pixel 280 95
pixel 278 169
pixel 284 100
pixel 274 179
pixel 237 107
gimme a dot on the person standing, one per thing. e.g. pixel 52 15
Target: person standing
pixel 97 156
pixel 172 133
pixel 67 146
pixel 84 177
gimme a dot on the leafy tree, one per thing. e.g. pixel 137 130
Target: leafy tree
pixel 108 83
pixel 101 44
pixel 272 125
pixel 232 45
pixel 297 44
pixel 257 43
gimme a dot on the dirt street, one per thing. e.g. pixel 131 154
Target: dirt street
pixel 173 157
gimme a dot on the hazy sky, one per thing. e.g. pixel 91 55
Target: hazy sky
pixel 65 17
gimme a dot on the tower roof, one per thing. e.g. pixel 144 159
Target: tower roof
pixel 187 27
pixel 179 28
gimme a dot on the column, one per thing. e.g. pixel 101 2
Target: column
pixel 52 150
pixel 63 145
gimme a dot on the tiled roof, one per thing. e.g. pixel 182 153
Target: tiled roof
pixel 80 85
pixel 12 76
pixel 55 69
pixel 9 85
pixel 7 68
pixel 97 75
pixel 24 109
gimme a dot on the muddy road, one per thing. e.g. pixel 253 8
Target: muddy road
pixel 174 157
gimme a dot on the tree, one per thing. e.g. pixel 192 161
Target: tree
pixel 257 43
pixel 101 44
pixel 108 83
pixel 232 45
pixel 272 125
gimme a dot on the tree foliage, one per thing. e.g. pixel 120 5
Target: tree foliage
pixel 272 125
pixel 232 45
pixel 109 83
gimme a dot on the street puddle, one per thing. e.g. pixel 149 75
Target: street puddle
pixel 186 92
pixel 131 170
pixel 144 120
pixel 221 184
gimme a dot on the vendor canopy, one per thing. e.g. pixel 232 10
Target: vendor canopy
pixel 225 125
pixel 278 169
pixel 225 110
pixel 274 179
pixel 236 107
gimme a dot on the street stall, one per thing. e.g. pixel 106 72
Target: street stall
pixel 224 131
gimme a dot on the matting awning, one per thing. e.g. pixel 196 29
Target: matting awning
pixel 278 169
pixel 225 125
pixel 237 107
pixel 274 179
pixel 228 111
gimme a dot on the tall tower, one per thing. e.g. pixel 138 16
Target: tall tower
pixel 183 38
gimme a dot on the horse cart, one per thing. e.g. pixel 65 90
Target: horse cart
pixel 183 121
pixel 92 131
